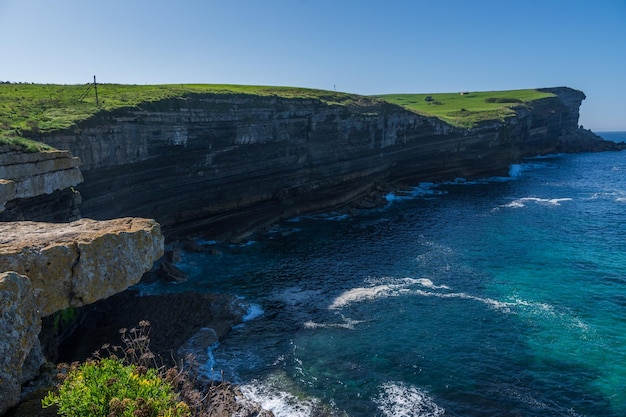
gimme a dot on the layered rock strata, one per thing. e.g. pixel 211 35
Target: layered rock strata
pixel 230 163
pixel 38 185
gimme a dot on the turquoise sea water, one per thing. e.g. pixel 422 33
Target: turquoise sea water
pixel 502 297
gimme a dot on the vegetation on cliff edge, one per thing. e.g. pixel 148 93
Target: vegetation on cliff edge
pixel 467 109
pixel 47 107
pixel 27 110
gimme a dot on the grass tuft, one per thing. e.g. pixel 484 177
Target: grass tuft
pixel 25 145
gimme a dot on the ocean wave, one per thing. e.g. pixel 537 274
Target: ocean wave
pixel 202 346
pixel 392 288
pixel 281 403
pixel 403 286
pixel 520 202
pixel 347 323
pixel 294 295
pixel 550 313
pixel 422 189
pixel 386 287
pixel 280 395
pixel 397 399
pixel 254 311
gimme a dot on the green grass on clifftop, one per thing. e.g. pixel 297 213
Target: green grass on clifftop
pixel 30 109
pixel 27 110
pixel 467 109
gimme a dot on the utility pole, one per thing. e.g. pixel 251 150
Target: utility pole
pixel 95 86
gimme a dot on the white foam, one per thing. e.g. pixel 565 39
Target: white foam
pixel 392 288
pixel 281 403
pixel 423 189
pixel 202 346
pixel 520 202
pixel 361 294
pixel 403 400
pixel 294 295
pixel 254 311
pixel 425 282
pixel 498 305
pixel 347 323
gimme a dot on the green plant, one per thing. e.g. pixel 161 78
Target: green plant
pixel 109 388
pixel 23 144
pixel 63 318
pixel 130 381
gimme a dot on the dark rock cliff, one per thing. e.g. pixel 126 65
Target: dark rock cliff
pixel 226 164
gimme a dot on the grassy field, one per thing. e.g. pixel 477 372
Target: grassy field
pixel 466 109
pixel 28 109
pixel 46 107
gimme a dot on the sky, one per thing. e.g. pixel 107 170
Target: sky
pixel 357 46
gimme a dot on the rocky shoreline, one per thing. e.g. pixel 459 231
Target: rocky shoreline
pixel 174 318
pixel 219 166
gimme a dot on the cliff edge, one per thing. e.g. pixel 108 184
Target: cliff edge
pixel 222 164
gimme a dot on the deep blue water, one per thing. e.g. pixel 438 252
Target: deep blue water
pixel 503 297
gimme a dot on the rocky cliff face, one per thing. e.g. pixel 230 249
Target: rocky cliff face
pixel 38 186
pixel 229 163
pixel 20 324
pixel 57 265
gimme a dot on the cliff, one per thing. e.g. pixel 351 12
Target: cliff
pixel 38 185
pixel 223 164
pixel 57 265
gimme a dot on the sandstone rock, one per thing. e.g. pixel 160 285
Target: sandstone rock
pixel 81 262
pixel 20 324
pixel 24 175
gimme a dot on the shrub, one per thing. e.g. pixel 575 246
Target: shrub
pixel 108 388
pixel 130 381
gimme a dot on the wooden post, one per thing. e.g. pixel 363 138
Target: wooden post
pixel 95 86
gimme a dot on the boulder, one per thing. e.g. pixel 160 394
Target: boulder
pixel 78 263
pixel 20 324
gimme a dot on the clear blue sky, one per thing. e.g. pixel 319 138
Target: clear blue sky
pixel 358 46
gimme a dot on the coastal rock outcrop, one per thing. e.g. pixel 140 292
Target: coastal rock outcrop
pixel 78 263
pixel 57 265
pixel 225 164
pixel 38 185
pixel 20 324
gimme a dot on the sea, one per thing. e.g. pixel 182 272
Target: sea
pixel 503 296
